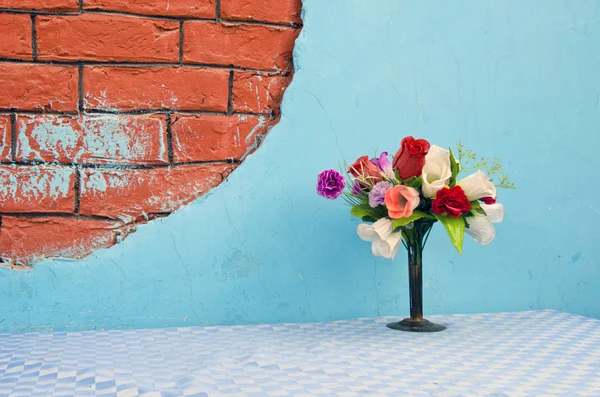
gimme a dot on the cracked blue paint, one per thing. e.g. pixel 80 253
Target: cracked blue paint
pixel 516 79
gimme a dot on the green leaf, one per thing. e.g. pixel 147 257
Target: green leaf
pixel 369 219
pixel 397 174
pixel 414 182
pixel 416 215
pixel 361 211
pixel 476 208
pixel 365 210
pixel 454 167
pixel 455 228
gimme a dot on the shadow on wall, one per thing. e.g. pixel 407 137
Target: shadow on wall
pixel 122 112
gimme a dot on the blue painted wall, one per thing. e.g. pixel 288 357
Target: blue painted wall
pixel 518 79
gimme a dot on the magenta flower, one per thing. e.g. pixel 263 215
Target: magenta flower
pixel 330 184
pixel 384 164
pixel 357 188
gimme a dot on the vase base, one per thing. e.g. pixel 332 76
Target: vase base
pixel 416 326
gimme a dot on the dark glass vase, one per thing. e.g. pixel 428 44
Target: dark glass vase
pixel 415 240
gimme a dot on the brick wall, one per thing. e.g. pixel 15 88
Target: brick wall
pixel 114 112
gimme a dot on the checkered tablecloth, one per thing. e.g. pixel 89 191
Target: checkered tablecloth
pixel 541 353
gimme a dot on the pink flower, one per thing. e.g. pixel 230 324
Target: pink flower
pixel 401 201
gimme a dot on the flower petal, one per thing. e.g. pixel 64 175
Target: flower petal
pixel 386 166
pixel 367 233
pixel 436 170
pixel 431 188
pixel 376 246
pixel 494 212
pixel 379 230
pixel 380 248
pixel 394 241
pixel 387 248
pixel 383 227
pixel 436 152
pixel 477 185
pixel 481 229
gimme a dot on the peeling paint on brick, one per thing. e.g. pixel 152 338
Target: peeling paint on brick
pixel 93 139
pixel 129 194
pixel 5 137
pixel 38 188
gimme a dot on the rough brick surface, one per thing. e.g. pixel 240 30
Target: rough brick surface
pixel 38 87
pixel 45 188
pixel 182 88
pixel 93 139
pixel 209 138
pixel 258 92
pixel 26 240
pixel 278 11
pixel 106 37
pixel 5 138
pixel 119 112
pixel 183 8
pixel 252 46
pixel 133 194
pixel 41 5
pixel 16 36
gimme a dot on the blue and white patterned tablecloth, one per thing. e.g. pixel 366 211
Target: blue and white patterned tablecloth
pixel 542 353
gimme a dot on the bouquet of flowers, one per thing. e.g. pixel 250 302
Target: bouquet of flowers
pixel 401 200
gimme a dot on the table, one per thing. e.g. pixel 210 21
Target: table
pixel 538 353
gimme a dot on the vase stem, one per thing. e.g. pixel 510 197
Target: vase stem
pixel 415 242
pixel 415 279
pixel 415 276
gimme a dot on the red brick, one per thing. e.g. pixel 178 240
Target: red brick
pixel 41 5
pixel 5 137
pixel 28 240
pixel 215 137
pixel 38 87
pixel 177 8
pixel 107 37
pixel 184 88
pixel 131 194
pixel 93 139
pixel 44 188
pixel 279 11
pixel 252 46
pixel 15 30
pixel 258 93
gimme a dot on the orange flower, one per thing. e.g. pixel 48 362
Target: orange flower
pixel 401 201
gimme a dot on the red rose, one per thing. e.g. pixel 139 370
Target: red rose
pixel 410 158
pixel 365 171
pixel 451 201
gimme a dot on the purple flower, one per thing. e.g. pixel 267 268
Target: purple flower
pixel 330 184
pixel 383 163
pixel 357 188
pixel 377 195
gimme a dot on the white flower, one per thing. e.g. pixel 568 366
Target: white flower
pixel 480 226
pixel 385 243
pixel 436 171
pixel 494 212
pixel 478 185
